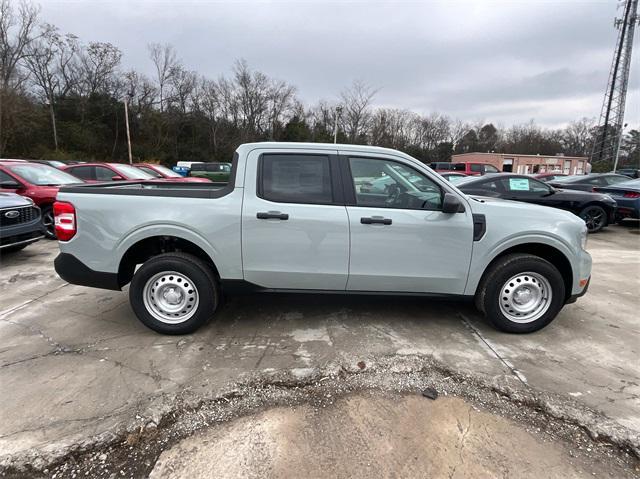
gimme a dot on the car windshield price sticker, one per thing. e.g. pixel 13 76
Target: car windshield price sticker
pixel 518 184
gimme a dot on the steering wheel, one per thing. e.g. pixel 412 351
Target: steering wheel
pixel 393 194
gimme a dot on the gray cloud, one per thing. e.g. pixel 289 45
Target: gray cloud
pixel 502 61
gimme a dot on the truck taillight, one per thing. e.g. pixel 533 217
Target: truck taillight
pixel 65 220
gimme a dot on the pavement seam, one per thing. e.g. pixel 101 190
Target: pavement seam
pixel 521 377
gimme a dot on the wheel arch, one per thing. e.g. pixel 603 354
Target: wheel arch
pixel 550 253
pixel 146 248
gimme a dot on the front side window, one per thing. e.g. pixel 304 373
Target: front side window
pixel 296 179
pixel 105 174
pixel 384 183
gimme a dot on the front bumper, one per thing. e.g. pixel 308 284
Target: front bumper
pixel 21 234
pixel 74 271
pixel 574 297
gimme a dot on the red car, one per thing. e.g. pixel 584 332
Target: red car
pixel 37 181
pixel 100 172
pixel 467 167
pixel 160 171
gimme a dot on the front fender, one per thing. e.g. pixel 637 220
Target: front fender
pixel 484 254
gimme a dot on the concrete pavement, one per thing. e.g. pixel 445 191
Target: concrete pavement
pixel 77 368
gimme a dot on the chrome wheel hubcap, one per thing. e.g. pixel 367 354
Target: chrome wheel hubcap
pixel 170 297
pixel 525 297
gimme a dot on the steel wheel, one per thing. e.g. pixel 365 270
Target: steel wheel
pixel 525 297
pixel 170 297
pixel 594 217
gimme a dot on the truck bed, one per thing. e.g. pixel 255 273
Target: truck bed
pixel 151 188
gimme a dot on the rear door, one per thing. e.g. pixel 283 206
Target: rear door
pixel 400 239
pixel 295 230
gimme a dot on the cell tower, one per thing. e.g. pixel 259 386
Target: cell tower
pixel 609 133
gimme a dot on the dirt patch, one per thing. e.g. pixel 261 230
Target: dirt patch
pixel 372 434
pixel 588 441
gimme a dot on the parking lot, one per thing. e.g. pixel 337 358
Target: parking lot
pixel 78 369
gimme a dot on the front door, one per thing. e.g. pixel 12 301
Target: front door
pixel 400 238
pixel 295 231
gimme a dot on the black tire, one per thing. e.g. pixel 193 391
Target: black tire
pixel 595 217
pixel 490 291
pixel 199 273
pixel 48 227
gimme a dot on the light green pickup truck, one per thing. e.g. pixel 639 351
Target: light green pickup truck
pixel 216 172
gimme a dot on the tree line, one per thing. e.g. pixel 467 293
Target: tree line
pixel 63 98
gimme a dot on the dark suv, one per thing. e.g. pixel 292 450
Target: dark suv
pixel 20 223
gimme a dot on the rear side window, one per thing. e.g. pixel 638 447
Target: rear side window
pixel 476 168
pixel 295 179
pixel 491 169
pixel 82 172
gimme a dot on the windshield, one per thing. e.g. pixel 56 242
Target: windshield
pixel 43 175
pixel 464 180
pixel 456 179
pixel 167 172
pixel 132 172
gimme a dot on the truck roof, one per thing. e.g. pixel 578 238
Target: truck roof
pixel 318 146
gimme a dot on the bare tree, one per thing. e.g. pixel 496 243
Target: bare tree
pixel 183 84
pixel 356 104
pixel 16 33
pixel 577 137
pixel 253 97
pixel 42 61
pixel 99 62
pixel 165 60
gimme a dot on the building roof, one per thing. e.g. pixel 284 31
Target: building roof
pixel 519 154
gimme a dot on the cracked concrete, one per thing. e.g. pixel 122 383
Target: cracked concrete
pixel 374 435
pixel 77 368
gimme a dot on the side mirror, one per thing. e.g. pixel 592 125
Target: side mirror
pixel 117 178
pixel 10 185
pixel 452 204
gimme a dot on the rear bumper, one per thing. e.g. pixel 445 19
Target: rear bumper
pixel 74 271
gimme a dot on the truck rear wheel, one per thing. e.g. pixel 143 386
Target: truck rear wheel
pixel 174 293
pixel 521 293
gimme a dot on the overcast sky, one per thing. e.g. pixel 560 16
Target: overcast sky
pixel 501 61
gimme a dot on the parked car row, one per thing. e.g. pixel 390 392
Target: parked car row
pixel 39 181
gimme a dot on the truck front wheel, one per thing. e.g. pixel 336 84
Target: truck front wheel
pixel 174 293
pixel 521 293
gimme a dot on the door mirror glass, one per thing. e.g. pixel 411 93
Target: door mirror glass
pixel 117 178
pixel 452 204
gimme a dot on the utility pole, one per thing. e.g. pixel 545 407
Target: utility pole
pixel 335 125
pixel 126 120
pixel 606 146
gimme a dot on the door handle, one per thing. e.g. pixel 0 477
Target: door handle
pixel 375 220
pixel 272 215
